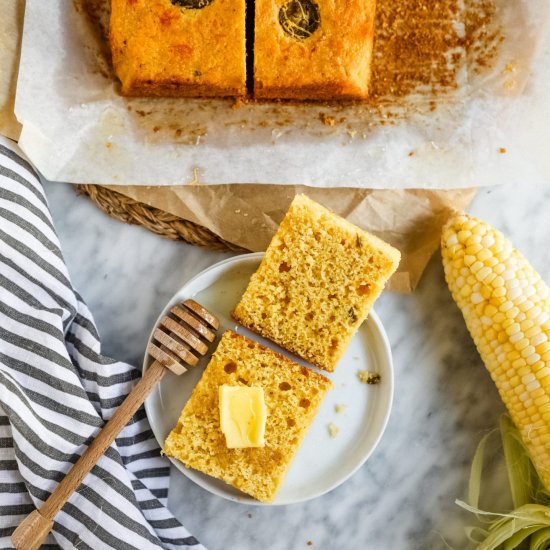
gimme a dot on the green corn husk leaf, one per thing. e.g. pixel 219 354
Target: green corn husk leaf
pixel 540 540
pixel 475 534
pixel 521 536
pixel 528 525
pixel 476 471
pixel 522 477
pixel 509 530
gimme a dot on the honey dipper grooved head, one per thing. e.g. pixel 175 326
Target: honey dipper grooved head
pixel 183 336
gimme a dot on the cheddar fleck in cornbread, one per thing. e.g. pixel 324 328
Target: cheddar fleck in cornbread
pixel 292 396
pixel 316 284
pixel 179 47
pixel 313 49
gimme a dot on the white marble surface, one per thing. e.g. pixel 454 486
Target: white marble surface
pixel 403 497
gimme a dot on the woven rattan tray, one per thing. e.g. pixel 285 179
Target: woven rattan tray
pixel 155 220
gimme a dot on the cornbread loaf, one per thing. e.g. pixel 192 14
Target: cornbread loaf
pixel 179 47
pixel 313 49
pixel 316 284
pixel 292 396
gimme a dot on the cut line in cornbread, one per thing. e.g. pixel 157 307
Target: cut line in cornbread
pixel 316 284
pixel 292 396
pixel 313 49
pixel 185 48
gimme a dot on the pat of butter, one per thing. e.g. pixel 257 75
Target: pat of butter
pixel 242 416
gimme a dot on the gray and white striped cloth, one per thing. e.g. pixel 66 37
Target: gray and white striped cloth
pixel 57 390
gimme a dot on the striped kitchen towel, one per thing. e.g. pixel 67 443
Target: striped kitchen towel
pixel 57 390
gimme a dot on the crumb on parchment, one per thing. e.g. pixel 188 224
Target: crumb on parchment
pixel 367 377
pixel 327 120
pixel 339 408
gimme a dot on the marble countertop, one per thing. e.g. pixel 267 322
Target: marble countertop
pixel 404 495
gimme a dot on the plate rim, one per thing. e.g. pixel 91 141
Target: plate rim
pixel 190 473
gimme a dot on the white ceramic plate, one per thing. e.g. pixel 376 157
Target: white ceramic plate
pixel 361 424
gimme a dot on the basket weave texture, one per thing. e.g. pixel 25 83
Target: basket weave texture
pixel 162 223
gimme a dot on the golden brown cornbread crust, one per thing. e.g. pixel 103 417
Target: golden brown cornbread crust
pixel 292 395
pixel 316 284
pixel 333 63
pixel 160 49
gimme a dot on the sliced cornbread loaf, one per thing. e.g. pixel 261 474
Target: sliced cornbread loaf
pixel 316 284
pixel 292 396
pixel 179 47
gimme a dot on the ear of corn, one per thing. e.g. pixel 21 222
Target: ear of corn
pixel 506 306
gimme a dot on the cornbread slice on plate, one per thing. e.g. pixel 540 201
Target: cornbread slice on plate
pixel 292 396
pixel 313 49
pixel 318 280
pixel 182 48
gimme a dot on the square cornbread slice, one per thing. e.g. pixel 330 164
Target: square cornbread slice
pixel 316 284
pixel 292 396
pixel 313 49
pixel 185 48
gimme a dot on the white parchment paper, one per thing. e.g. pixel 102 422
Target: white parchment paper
pixel 77 128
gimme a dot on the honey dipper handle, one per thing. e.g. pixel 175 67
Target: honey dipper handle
pixel 33 530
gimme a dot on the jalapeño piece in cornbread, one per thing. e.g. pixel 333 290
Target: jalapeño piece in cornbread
pixel 292 396
pixel 313 49
pixel 188 48
pixel 316 284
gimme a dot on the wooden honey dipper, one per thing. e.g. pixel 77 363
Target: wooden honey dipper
pixel 190 328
